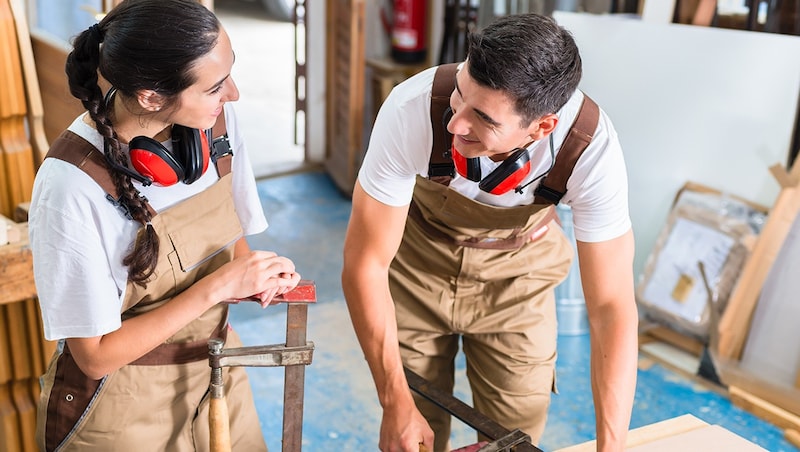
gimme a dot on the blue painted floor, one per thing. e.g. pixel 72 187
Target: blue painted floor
pixel 308 217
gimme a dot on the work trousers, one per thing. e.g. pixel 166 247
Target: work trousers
pixel 498 302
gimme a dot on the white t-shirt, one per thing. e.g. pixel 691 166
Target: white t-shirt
pixel 79 239
pixel 400 146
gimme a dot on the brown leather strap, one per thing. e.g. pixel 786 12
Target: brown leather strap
pixel 440 166
pixel 183 352
pixel 553 187
pixel 221 150
pixel 74 149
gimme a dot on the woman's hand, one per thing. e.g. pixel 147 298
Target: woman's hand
pixel 285 283
pixel 263 273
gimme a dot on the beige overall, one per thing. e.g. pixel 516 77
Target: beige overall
pixel 159 402
pixel 486 275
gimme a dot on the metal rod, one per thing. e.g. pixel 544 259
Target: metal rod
pixel 480 422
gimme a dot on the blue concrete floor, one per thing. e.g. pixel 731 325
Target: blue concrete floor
pixel 308 217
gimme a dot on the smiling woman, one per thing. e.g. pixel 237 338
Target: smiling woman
pixel 131 265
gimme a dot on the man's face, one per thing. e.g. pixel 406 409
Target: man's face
pixel 484 122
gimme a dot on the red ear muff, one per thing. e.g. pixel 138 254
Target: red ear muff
pixel 506 177
pixel 192 151
pixel 466 167
pixel 153 161
pixel 186 163
pixel 509 174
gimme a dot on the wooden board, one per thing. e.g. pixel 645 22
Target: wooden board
pixel 16 269
pixel 648 433
pixel 735 321
pixel 711 437
pixel 33 96
pixel 763 409
pixel 16 170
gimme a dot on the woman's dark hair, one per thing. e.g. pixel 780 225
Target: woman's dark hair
pixel 139 45
pixel 530 58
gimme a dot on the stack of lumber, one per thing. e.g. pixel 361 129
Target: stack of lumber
pixel 23 350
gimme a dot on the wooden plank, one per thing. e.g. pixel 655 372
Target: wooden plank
pixel 735 321
pixel 648 433
pixel 681 341
pixel 26 413
pixel 763 409
pixel 710 437
pixel 793 436
pixel 9 425
pixel 16 175
pixel 16 273
pixel 38 139
pixel 59 105
pixel 9 430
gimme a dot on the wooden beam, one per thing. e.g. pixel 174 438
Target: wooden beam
pixel 735 321
pixel 763 409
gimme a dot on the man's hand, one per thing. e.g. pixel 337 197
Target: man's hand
pixel 405 430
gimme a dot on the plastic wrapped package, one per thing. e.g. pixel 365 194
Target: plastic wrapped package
pixel 704 225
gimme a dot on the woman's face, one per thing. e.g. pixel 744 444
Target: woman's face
pixel 200 104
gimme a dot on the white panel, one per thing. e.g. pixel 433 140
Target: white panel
pixel 772 350
pixel 690 103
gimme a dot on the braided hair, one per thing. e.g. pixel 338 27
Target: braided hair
pixel 138 45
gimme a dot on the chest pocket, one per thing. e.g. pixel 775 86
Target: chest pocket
pixel 198 236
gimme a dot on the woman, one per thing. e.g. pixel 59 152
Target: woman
pixel 137 228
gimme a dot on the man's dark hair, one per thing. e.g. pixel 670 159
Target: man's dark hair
pixel 529 57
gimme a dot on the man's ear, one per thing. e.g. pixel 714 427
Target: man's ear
pixel 543 126
pixel 150 100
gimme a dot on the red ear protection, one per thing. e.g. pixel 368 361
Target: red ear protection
pixel 186 163
pixel 502 179
pixel 469 168
pixel 154 163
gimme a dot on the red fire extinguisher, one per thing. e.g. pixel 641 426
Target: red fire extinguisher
pixel 408 31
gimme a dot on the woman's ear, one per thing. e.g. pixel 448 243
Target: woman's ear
pixel 150 100
pixel 543 126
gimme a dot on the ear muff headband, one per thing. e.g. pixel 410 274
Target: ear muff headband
pixel 191 150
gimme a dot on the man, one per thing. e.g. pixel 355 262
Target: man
pixel 429 261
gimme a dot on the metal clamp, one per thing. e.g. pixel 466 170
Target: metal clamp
pixel 277 355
